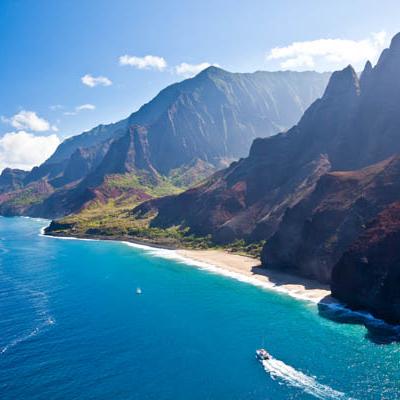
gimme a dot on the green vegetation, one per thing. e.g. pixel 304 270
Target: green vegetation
pixel 115 219
pixel 248 249
pixel 153 187
pixel 25 198
pixel 191 175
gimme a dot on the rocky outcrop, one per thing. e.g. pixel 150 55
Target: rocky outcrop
pixel 314 234
pixel 367 276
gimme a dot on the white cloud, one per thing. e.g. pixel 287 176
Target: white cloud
pixel 146 62
pixel 329 53
pixel 24 150
pixel 93 81
pixel 28 120
pixel 188 70
pixel 85 107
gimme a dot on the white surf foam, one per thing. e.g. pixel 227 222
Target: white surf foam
pixel 174 255
pixel 42 229
pixel 285 374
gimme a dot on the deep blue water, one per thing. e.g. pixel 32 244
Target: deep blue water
pixel 72 327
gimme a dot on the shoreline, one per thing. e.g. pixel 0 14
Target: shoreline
pixel 251 271
pixel 240 267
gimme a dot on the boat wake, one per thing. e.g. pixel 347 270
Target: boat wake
pixel 285 374
pixel 38 329
pixel 44 320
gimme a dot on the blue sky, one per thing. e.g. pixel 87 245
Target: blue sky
pixel 47 47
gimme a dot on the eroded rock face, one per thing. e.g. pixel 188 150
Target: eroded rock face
pixel 249 198
pixel 367 276
pixel 229 206
pixel 314 234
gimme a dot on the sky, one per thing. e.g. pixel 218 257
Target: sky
pixel 69 65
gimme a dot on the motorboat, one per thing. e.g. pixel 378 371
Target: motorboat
pixel 262 355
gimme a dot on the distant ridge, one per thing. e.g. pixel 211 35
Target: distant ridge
pixel 187 132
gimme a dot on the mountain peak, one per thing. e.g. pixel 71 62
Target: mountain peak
pixel 212 70
pixel 368 67
pixel 390 56
pixel 342 83
pixel 395 42
pixel 366 73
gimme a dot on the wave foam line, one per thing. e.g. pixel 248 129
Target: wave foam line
pixel 333 305
pixel 39 302
pixel 23 338
pixel 278 370
pixel 173 255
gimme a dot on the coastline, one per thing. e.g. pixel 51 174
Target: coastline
pixel 236 266
pixel 229 263
pixel 244 269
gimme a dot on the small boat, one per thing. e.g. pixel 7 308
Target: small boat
pixel 262 355
pixel 138 290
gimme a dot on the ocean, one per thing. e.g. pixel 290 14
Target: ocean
pixel 72 326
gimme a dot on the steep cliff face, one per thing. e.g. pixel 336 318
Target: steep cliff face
pixel 127 154
pixel 184 134
pixel 11 179
pixel 249 198
pixel 20 201
pixel 230 206
pixel 314 234
pixel 212 116
pixel 367 276
pixel 325 194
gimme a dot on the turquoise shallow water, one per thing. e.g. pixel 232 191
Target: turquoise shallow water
pixel 72 327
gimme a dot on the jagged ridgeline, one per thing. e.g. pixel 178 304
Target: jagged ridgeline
pixel 324 195
pixel 187 132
